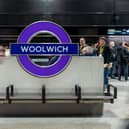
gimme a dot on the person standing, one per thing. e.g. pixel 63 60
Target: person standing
pixel 122 59
pixel 104 51
pixel 113 59
pixel 82 44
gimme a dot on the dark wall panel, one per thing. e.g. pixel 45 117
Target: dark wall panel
pixel 23 6
pixel 122 6
pixel 19 20
pixel 82 19
pixel 55 6
pixel 65 12
pixel 123 19
pixel 80 6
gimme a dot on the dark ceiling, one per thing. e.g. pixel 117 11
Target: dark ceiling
pixel 80 18
pixel 65 12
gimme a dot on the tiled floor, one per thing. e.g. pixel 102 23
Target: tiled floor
pixel 120 108
pixel 61 123
pixel 116 116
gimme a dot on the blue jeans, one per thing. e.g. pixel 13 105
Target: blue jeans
pixel 106 72
pixel 112 70
pixel 125 69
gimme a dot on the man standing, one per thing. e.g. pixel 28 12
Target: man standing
pixel 104 51
pixel 113 59
pixel 82 44
pixel 122 59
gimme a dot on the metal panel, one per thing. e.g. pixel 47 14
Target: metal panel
pixel 51 109
pixel 122 19
pixel 54 6
pixel 69 12
pixel 82 19
pixel 77 6
pixel 85 71
pixel 62 19
pixel 122 6
pixel 23 6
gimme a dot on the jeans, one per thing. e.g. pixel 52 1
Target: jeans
pixel 125 69
pixel 106 72
pixel 111 71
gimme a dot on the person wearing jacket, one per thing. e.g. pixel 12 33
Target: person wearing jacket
pixel 113 59
pixel 104 51
pixel 122 60
pixel 82 44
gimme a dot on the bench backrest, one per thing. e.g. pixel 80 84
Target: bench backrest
pixel 84 71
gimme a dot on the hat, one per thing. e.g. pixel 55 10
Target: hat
pixel 103 38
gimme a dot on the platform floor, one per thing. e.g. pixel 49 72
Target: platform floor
pixel 120 109
pixel 116 116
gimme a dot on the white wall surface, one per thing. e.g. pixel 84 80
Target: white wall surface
pixel 85 71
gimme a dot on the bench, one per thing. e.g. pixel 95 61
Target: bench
pixel 78 90
pixel 44 97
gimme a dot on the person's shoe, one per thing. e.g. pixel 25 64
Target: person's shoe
pixel 119 79
pixel 112 77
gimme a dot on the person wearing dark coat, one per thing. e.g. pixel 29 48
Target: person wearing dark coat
pixel 122 61
pixel 113 49
pixel 104 51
